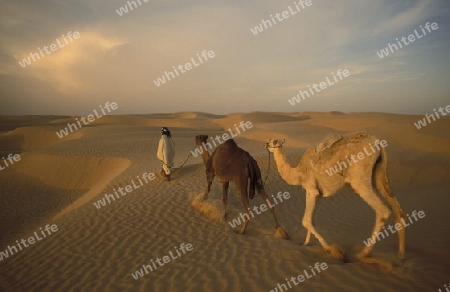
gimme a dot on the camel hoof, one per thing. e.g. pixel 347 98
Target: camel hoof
pixel 370 260
pixel 362 257
pixel 336 252
pixel 280 232
pixel 238 232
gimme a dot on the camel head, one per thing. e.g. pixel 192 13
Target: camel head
pixel 199 139
pixel 271 144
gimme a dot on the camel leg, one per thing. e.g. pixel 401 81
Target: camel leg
pixel 382 214
pixel 267 199
pixel 385 190
pixel 208 188
pixel 311 198
pixel 308 238
pixel 246 204
pixel 209 178
pixel 308 232
pixel 225 186
pixel 382 185
pixel 399 215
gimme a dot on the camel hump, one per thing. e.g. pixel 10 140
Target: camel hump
pixel 230 142
pixel 328 142
pixel 359 136
pixel 333 139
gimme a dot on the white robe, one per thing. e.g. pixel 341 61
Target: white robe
pixel 166 152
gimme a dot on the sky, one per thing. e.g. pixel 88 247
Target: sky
pixel 117 58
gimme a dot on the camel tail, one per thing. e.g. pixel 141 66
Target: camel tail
pixel 255 177
pixel 381 180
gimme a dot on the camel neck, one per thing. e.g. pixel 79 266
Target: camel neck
pixel 288 174
pixel 205 154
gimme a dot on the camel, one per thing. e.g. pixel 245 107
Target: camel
pixel 232 164
pixel 311 173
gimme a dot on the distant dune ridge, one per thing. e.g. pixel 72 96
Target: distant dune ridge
pixel 57 182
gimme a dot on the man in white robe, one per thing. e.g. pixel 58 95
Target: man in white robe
pixel 166 152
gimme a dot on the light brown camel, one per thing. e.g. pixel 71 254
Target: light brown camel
pixel 232 164
pixel 314 175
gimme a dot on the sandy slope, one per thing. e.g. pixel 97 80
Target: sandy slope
pixel 57 181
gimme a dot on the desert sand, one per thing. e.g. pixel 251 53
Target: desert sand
pixel 57 181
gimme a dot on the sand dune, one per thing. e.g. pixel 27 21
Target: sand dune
pixel 186 115
pixel 179 120
pixel 32 138
pixel 57 181
pixel 69 172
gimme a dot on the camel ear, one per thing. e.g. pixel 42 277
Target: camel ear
pixel 282 142
pixel 279 142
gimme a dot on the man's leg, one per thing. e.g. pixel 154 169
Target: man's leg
pixel 166 172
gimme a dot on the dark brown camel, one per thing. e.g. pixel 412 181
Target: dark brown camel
pixel 232 164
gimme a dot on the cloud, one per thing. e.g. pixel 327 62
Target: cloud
pixel 405 19
pixel 118 57
pixel 58 67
